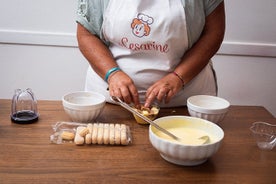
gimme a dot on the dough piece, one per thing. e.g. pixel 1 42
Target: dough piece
pixel 79 140
pixel 117 134
pixel 95 133
pixel 100 133
pixel 106 133
pixel 68 136
pixel 88 137
pixel 83 132
pixel 123 135
pixel 111 134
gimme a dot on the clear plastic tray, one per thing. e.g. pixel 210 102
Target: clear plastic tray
pixel 91 133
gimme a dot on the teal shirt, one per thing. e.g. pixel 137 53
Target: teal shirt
pixel 90 15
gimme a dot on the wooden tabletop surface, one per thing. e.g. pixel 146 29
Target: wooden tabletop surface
pixel 28 156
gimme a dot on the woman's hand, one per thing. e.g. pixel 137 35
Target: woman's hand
pixel 122 86
pixel 193 61
pixel 101 60
pixel 164 89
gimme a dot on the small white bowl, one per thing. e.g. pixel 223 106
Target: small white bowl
pixel 83 106
pixel 208 107
pixel 182 153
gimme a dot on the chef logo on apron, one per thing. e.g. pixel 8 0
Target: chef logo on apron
pixel 141 25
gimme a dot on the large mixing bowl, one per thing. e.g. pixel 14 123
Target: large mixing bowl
pixel 188 152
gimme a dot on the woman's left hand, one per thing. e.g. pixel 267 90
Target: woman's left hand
pixel 164 89
pixel 193 61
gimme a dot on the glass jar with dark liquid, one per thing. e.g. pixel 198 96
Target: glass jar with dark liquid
pixel 24 107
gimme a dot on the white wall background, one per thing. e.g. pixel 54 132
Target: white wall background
pixel 38 49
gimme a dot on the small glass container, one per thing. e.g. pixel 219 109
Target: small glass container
pixel 264 134
pixel 24 107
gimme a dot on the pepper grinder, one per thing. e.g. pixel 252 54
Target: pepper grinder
pixel 24 107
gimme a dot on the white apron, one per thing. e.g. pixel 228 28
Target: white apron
pixel 147 40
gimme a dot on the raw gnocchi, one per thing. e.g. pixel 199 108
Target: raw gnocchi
pixel 102 133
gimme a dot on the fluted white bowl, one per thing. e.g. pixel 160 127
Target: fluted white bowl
pixel 208 107
pixel 83 106
pixel 186 154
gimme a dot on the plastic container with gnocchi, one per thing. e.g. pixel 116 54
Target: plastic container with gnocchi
pixel 91 133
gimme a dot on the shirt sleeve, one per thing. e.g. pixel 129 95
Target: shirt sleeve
pixel 210 5
pixel 90 15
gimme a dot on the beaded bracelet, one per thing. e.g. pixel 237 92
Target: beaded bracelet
pixel 176 74
pixel 112 70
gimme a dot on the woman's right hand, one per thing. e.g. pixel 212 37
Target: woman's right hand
pixel 122 86
pixel 101 60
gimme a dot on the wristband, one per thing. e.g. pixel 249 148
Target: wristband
pixel 109 72
pixel 176 74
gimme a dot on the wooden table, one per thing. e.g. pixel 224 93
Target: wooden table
pixel 27 156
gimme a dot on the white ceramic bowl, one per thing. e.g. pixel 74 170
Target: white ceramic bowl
pixel 182 153
pixel 83 106
pixel 208 107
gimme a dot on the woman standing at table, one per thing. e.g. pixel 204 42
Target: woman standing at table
pixel 150 50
